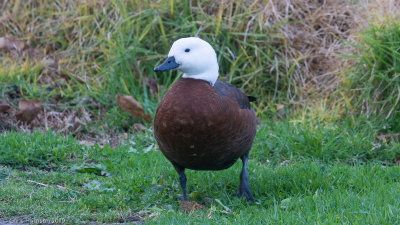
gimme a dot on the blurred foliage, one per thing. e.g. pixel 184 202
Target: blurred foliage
pixel 374 82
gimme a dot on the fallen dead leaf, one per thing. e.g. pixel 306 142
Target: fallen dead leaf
pixel 28 110
pixel 188 206
pixel 133 107
pixel 4 106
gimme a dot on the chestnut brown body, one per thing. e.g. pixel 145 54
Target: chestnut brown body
pixel 203 127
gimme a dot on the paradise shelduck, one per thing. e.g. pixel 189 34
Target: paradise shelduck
pixel 202 123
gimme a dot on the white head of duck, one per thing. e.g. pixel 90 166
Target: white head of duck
pixel 193 56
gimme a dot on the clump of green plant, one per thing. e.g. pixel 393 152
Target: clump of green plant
pixel 341 140
pixel 37 150
pixel 375 80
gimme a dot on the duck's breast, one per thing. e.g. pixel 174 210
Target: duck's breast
pixel 199 128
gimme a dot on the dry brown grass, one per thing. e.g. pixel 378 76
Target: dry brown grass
pixel 376 11
pixel 73 36
pixel 314 35
pixel 62 30
pixel 312 31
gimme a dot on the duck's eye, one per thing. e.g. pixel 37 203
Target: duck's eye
pixel 187 50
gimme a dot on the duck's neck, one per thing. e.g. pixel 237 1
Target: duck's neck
pixel 210 75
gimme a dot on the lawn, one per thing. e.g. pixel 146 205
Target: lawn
pixel 326 79
pixel 297 175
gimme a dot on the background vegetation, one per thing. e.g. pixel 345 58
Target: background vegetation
pixel 326 78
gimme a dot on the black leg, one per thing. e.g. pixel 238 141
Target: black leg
pixel 182 179
pixel 244 187
pixel 182 182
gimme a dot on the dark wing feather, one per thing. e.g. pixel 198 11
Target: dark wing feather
pixel 234 93
pixel 252 99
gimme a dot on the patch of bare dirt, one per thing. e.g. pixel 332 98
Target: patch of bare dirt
pixel 31 115
pixel 189 206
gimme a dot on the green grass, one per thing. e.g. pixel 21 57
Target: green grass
pixel 374 81
pixel 342 140
pixel 44 151
pixel 315 165
pixel 296 175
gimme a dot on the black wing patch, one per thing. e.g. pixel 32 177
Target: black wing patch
pixel 233 92
pixel 252 98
